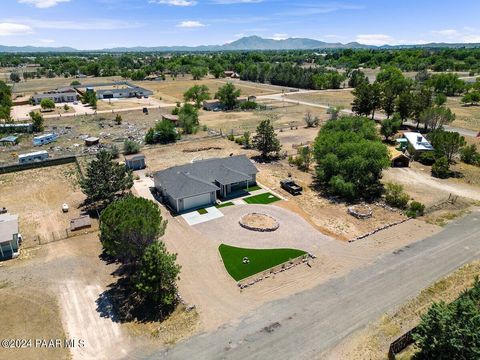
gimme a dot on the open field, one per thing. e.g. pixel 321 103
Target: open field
pixel 37 196
pixel 259 259
pixel 373 341
pixel 173 90
pixel 342 98
pixel 467 117
pixel 32 86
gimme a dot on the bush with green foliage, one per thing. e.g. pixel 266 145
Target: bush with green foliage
pixel 157 276
pixel 118 119
pixel 188 119
pixel 248 105
pixel 75 83
pixel 395 196
pixel 451 331
pixel 470 155
pixel 47 104
pixel 37 121
pixel 390 127
pixel 163 132
pixel 231 137
pixel 105 179
pixel 415 209
pixel 128 226
pixel 446 144
pixel 198 94
pixel 441 168
pixel 427 158
pixel 350 158
pixel 5 100
pixel 130 147
pixel 227 95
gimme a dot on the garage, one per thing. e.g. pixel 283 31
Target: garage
pixel 197 201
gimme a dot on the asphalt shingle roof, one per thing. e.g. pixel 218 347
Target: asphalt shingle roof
pixel 199 177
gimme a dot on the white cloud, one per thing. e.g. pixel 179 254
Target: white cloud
pixel 190 24
pixel 374 39
pixel 279 37
pixel 93 24
pixel 229 2
pixel 306 10
pixel 42 4
pixel 466 35
pixel 12 29
pixel 174 2
pixel 47 41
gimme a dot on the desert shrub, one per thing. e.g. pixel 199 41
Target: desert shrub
pixel 441 168
pixel 427 158
pixel 395 196
pixel 470 155
pixel 415 209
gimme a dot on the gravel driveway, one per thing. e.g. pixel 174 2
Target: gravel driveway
pixel 294 231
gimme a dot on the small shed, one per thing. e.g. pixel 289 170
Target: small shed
pixel 9 140
pixel 171 118
pixel 81 222
pixel 135 161
pixel 398 158
pixel 91 140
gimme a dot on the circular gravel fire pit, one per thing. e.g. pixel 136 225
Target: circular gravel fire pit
pixel 259 222
pixel 360 211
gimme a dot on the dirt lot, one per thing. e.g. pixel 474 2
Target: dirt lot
pixel 466 116
pixel 341 98
pixel 37 196
pixel 173 90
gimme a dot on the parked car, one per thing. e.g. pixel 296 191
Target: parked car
pixel 290 186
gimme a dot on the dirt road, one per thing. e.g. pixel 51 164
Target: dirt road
pixel 304 325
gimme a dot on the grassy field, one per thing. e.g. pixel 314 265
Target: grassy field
pixel 466 116
pixel 341 98
pixel 265 198
pixel 260 259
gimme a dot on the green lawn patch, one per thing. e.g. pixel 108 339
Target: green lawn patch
pixel 265 198
pixel 260 259
pixel 224 205
pixel 202 211
pixel 252 188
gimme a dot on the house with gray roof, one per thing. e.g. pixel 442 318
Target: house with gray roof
pixel 9 236
pixel 198 184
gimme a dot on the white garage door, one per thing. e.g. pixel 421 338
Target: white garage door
pixel 196 201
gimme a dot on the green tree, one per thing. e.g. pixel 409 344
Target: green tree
pixel 441 168
pixel 14 77
pixel 310 120
pixel 37 121
pixel 90 97
pixel 128 226
pixel 265 140
pixel 390 127
pixel 434 118
pixel 157 276
pixel 163 133
pixel 450 331
pixel 197 94
pixel 350 158
pixel 105 179
pixel 404 105
pixel 118 119
pixel 217 71
pixel 47 104
pixel 471 98
pixel 334 112
pixel 247 142
pixel 188 118
pixel 368 99
pixel 446 144
pixel 304 158
pixel 5 100
pixel 228 95
pixel 198 72
pixel 130 147
pixel 357 77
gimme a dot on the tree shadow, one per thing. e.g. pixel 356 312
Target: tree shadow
pixel 265 159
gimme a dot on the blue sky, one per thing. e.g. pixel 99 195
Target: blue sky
pixel 94 24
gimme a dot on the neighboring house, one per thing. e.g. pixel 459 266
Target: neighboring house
pixel 32 157
pixel 417 143
pixel 60 95
pixel 16 127
pixel 9 236
pixel 398 158
pixel 135 161
pixel 210 105
pixel 172 118
pixel 127 92
pixel 44 139
pixel 9 140
pixel 231 74
pixel 199 184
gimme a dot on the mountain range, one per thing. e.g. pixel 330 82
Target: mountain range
pixel 245 43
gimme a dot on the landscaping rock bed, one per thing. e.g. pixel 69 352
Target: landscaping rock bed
pixel 360 211
pixel 259 222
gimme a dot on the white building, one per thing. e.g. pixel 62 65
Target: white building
pixel 417 143
pixel 32 157
pixel 9 236
pixel 58 96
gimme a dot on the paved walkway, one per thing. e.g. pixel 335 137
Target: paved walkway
pixel 194 217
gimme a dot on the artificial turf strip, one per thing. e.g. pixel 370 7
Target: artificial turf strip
pixel 202 211
pixel 224 205
pixel 261 199
pixel 260 259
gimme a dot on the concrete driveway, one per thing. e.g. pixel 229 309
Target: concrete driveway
pixel 194 217
pixel 294 231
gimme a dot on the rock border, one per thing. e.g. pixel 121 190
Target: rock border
pixel 259 229
pixel 360 215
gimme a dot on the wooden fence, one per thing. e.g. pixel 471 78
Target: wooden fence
pixel 400 344
pixel 45 163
